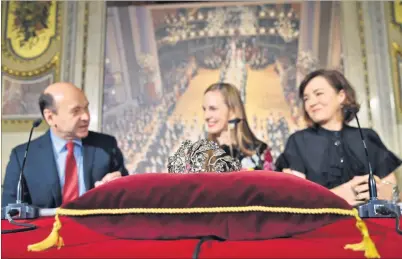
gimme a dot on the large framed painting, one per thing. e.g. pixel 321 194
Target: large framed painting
pixel 161 58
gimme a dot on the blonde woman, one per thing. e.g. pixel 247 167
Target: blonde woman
pixel 227 125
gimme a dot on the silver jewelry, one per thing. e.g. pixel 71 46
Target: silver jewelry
pixel 201 156
pixel 395 191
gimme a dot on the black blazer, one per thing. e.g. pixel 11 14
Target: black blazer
pixel 309 151
pixel 101 156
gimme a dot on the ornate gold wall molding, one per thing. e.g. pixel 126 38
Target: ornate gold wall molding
pixel 85 45
pixel 31 47
pixel 396 13
pixel 21 125
pixel 395 41
pixel 396 51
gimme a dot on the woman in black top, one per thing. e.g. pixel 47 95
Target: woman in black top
pixel 331 153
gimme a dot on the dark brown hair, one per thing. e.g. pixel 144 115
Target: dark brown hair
pixel 339 82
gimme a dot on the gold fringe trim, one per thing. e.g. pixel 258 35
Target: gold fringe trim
pixel 54 239
pixel 367 245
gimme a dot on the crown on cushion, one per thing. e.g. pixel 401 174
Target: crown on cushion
pixel 201 156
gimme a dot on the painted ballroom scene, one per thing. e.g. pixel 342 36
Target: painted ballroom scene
pixel 201 129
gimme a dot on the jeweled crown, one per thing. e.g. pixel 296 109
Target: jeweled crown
pixel 201 156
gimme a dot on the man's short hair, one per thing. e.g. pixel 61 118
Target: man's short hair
pixel 46 101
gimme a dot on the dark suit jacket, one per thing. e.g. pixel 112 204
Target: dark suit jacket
pixel 101 156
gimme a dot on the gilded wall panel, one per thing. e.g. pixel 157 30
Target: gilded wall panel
pixel 395 35
pixel 31 54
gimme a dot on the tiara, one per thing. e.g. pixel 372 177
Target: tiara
pixel 201 156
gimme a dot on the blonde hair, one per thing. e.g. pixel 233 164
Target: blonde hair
pixel 241 133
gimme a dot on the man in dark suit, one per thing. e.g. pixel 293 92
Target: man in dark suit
pixel 68 160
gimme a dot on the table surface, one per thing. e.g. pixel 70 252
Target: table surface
pixel 81 242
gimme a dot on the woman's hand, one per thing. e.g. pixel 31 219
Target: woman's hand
pixel 384 189
pixel 355 191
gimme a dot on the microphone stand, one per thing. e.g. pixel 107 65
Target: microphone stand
pixel 20 209
pixel 231 141
pixel 374 207
pixel 232 123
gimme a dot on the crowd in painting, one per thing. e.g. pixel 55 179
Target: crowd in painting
pixel 153 120
pixel 236 76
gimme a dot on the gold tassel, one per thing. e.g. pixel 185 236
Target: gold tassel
pixel 367 245
pixel 54 239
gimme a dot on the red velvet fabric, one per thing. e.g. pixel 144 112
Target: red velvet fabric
pixel 324 242
pixel 208 190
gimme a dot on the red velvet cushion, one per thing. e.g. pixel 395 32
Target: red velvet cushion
pixel 236 189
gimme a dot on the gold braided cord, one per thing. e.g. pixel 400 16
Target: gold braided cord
pixel 55 240
pixel 86 212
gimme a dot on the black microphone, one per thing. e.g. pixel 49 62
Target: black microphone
pixel 374 207
pixel 234 121
pixel 21 210
pixel 35 124
pixel 371 181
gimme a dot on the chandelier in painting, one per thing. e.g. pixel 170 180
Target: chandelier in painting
pixel 286 28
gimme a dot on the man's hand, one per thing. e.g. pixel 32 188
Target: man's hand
pixel 109 177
